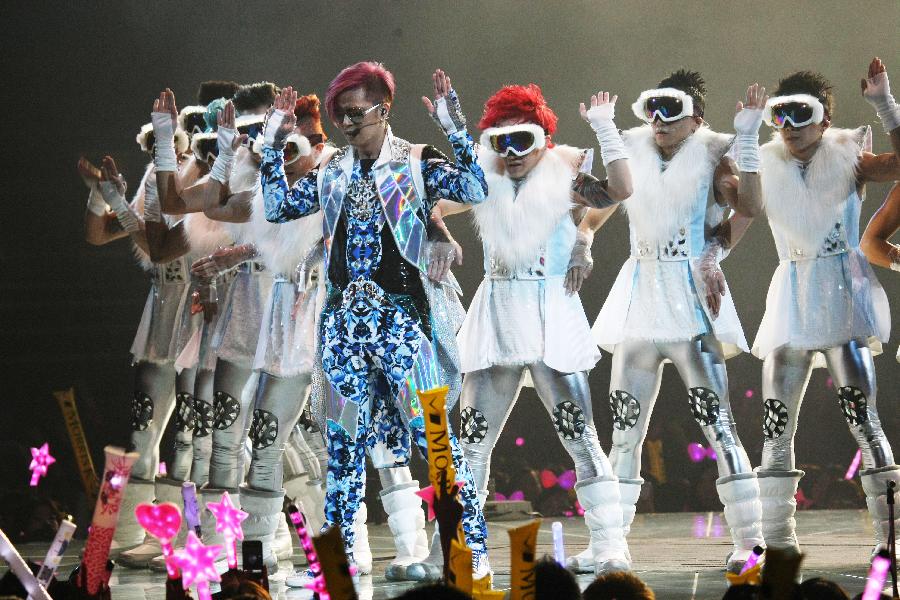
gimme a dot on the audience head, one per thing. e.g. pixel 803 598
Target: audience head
pixel 620 585
pixel 554 582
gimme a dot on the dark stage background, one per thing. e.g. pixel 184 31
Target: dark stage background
pixel 80 78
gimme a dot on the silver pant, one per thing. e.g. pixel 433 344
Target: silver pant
pixel 201 434
pixel 634 385
pixel 786 373
pixel 151 406
pixel 279 403
pixel 180 467
pixel 488 397
pixel 231 418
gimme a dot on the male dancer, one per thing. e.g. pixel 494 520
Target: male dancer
pixel 824 301
pixel 885 223
pixel 528 225
pixel 656 313
pixel 376 196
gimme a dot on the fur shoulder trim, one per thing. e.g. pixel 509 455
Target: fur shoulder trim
pixel 204 235
pixel 244 172
pixel 515 225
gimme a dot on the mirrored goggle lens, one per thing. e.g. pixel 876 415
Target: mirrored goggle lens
pixel 208 149
pixel 518 141
pixel 252 130
pixel 151 141
pixel 194 122
pixel 664 106
pixel 291 151
pixel 796 112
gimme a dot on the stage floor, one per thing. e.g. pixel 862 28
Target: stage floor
pixel 680 555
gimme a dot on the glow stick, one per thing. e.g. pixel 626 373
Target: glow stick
pixel 559 548
pixel 877 576
pixel 854 465
pixel 20 569
pixel 299 521
pixel 191 506
pixel 228 523
pixel 55 553
pixel 753 559
pixel 198 565
pixel 162 521
pixel 40 460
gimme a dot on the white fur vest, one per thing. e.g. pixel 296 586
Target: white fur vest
pixel 664 199
pixel 804 205
pixel 515 226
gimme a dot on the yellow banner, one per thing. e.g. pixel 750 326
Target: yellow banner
pixel 523 546
pixel 440 460
pixel 335 567
pixel 460 565
pixel 66 400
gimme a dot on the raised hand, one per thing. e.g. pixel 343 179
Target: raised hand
pixel 109 172
pixel 227 135
pixel 748 114
pixel 280 120
pixel 445 110
pixel 89 173
pixel 603 108
pixel 875 84
pixel 166 104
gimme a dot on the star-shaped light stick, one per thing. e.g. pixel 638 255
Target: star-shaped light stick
pixel 198 565
pixel 228 523
pixel 40 460
pixel 162 521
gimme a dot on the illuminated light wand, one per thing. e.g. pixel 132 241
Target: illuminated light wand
pixel 299 521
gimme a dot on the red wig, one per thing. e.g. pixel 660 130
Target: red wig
pixel 519 103
pixel 308 115
pixel 371 76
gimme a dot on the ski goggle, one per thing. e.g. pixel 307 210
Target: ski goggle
pixel 353 115
pixel 147 140
pixel 251 125
pixel 204 146
pixel 796 110
pixel 191 119
pixel 296 146
pixel 519 139
pixel 666 104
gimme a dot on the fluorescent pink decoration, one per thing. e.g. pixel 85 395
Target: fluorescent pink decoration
pixel 567 479
pixel 579 509
pixel 162 521
pixel 517 495
pixel 696 452
pixel 753 560
pixel 198 565
pixel 878 573
pixel 520 441
pixel 548 478
pixel 318 583
pixel 427 494
pixel 854 465
pixel 163 469
pixel 498 497
pixel 228 523
pixel 699 529
pixel 829 382
pixel 748 394
pixel 40 460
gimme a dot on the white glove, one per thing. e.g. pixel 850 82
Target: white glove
pixel 746 125
pixel 164 148
pixel 127 217
pixel 152 210
pixel 878 94
pixel 448 113
pixel 96 204
pixel 611 145
pixel 271 136
pixel 221 169
pixel 712 276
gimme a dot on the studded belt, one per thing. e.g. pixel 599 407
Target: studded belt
pixel 365 287
pixel 675 249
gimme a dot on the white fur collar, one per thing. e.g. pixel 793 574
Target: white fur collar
pixel 664 200
pixel 203 235
pixel 804 204
pixel 514 227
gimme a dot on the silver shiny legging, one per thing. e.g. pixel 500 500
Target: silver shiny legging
pixel 786 373
pixel 231 418
pixel 279 403
pixel 151 407
pixel 201 434
pixel 633 388
pixel 180 467
pixel 488 397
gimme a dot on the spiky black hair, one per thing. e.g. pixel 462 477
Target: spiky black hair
pixel 692 84
pixel 252 95
pixel 210 90
pixel 808 82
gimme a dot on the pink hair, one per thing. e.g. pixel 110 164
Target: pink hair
pixel 371 76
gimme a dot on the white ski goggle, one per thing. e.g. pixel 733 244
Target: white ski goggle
pixel 519 139
pixel 205 146
pixel 296 146
pixel 798 110
pixel 666 104
pixel 146 140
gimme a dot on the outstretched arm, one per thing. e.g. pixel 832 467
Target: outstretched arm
pixel 748 200
pixel 219 203
pixel 885 223
pixel 284 202
pixel 876 90
pixel 617 187
pixel 112 188
pixel 462 180
pixel 100 225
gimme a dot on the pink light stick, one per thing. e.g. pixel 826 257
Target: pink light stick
pixel 40 460
pixel 315 567
pixel 228 523
pixel 854 465
pixel 753 559
pixel 162 521
pixel 198 565
pixel 878 573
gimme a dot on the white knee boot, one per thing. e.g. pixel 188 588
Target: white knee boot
pixel 603 516
pixel 874 482
pixel 406 520
pixel 265 515
pixel 166 490
pixel 739 495
pixel 629 492
pixel 129 532
pixel 776 496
